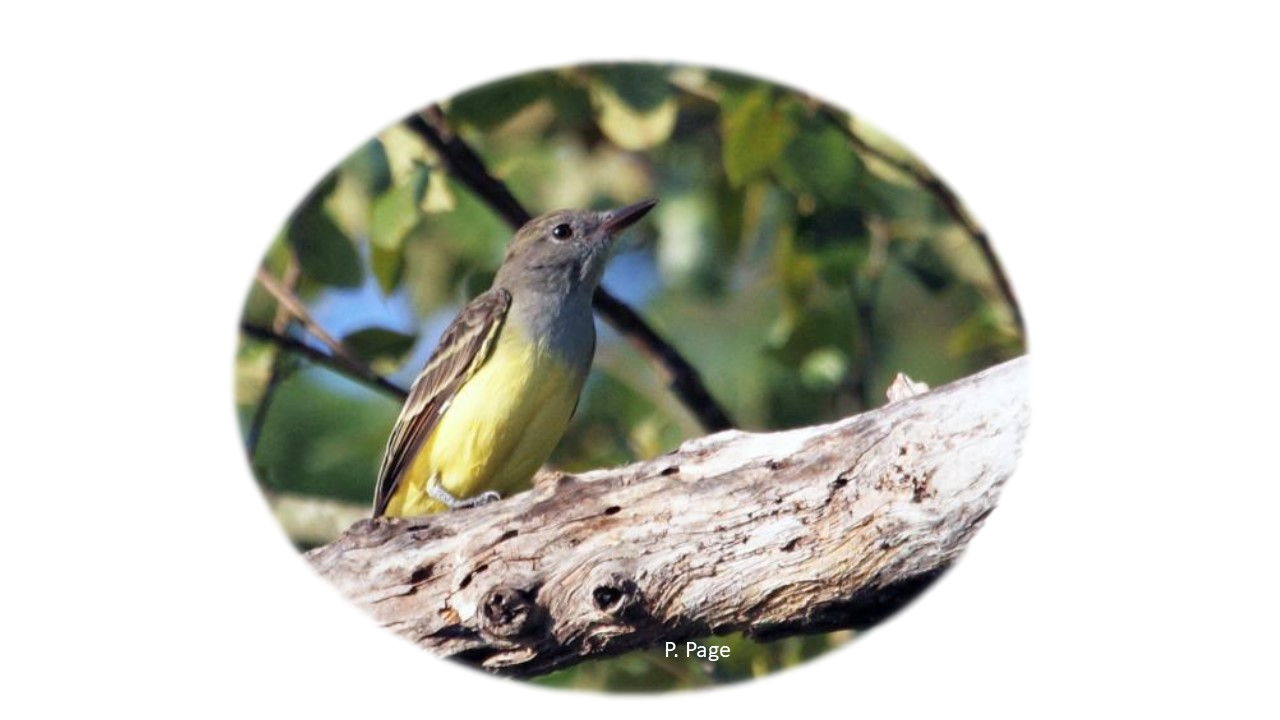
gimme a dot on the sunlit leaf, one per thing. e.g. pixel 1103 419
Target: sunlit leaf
pixel 982 332
pixel 397 211
pixel 253 368
pixel 348 206
pixel 637 113
pixel 405 151
pixel 439 197
pixel 683 247
pixel 387 266
pixel 825 368
pixel 693 80
pixel 754 132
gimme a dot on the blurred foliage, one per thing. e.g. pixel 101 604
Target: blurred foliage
pixel 797 272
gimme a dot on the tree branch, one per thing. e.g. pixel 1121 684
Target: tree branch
pixel 358 371
pixel 279 369
pixel 827 527
pixel 290 303
pixel 465 165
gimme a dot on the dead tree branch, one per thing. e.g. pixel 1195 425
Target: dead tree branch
pixel 770 534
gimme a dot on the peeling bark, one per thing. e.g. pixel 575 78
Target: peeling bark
pixel 771 534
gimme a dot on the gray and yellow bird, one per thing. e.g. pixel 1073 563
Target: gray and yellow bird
pixel 500 388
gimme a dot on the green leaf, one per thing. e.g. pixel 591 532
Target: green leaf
pixel 924 262
pixel 754 133
pixel 837 263
pixel 255 360
pixel 824 369
pixel 396 211
pixel 976 333
pixel 823 322
pixel 472 232
pixel 491 105
pixel 631 130
pixel 643 87
pixel 369 167
pixel 635 104
pixel 375 343
pixel 324 251
pixel 820 162
pixel 388 267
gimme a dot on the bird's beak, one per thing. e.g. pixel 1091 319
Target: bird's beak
pixel 618 220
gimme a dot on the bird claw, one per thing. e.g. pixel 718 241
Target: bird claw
pixel 438 493
pixel 483 498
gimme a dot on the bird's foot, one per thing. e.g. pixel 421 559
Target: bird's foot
pixel 483 498
pixel 438 493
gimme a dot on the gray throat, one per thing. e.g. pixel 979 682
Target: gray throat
pixel 560 322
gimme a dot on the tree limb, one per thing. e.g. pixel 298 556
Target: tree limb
pixel 465 165
pixel 279 369
pixel 769 534
pixel 358 370
pixel 288 302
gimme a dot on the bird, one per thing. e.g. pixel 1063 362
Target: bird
pixel 499 389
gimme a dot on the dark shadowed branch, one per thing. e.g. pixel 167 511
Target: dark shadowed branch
pixel 465 165
pixel 356 370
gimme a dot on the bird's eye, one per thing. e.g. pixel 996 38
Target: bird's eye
pixel 562 231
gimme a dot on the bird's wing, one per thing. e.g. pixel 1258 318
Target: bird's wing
pixel 465 345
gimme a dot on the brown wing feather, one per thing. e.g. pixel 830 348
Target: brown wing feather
pixel 463 348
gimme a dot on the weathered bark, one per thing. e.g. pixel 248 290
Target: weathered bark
pixel 808 530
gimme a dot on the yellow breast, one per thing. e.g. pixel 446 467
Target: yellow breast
pixel 499 428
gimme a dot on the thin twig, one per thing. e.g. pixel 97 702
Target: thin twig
pixel 357 370
pixel 290 302
pixel 469 169
pixel 279 370
pixel 292 273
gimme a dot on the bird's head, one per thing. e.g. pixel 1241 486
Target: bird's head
pixel 565 250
